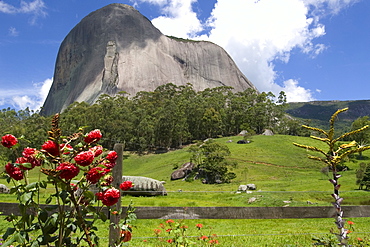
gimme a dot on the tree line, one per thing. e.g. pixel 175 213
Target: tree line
pixel 168 117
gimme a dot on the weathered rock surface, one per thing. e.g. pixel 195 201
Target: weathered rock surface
pixel 4 189
pixel 144 186
pixel 247 187
pixel 117 49
pixel 183 171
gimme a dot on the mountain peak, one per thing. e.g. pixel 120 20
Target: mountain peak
pixel 115 49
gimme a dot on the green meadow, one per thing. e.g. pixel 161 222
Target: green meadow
pixel 281 172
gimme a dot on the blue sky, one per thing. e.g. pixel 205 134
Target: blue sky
pixel 311 49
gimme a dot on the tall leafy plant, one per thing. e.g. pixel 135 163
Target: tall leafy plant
pixel 332 158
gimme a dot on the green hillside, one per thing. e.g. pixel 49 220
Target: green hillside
pixel 281 172
pixel 318 113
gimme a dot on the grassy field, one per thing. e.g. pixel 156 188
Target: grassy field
pixel 238 233
pixel 281 172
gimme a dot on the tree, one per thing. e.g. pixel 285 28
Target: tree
pixel 364 136
pixel 363 176
pixel 211 162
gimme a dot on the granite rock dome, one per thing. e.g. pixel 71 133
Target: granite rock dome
pixel 115 49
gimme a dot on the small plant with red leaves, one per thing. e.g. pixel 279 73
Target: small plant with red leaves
pixel 174 233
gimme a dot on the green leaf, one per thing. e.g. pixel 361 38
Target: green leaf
pixel 25 197
pixel 8 232
pixel 9 242
pixel 43 184
pixel 103 216
pixel 35 244
pixel 27 165
pixel 91 209
pixel 64 196
pixel 43 215
pixel 88 194
pixel 32 186
pixel 72 227
pixel 19 238
pixel 48 200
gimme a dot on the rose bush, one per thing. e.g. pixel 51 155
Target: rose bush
pixel 70 166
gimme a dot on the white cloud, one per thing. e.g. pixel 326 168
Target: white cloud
pixel 256 33
pixel 178 18
pixel 32 97
pixel 328 7
pixel 7 8
pixel 296 93
pixel 13 32
pixel 36 8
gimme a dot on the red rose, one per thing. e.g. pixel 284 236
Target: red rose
pixel 8 141
pixel 93 136
pixel 84 158
pixel 97 150
pixel 29 157
pixel 31 160
pixel 74 187
pixel 69 170
pixel 112 156
pixel 28 152
pixel 66 148
pixel 13 171
pixel 125 235
pixel 51 147
pixel 109 165
pixel 110 196
pixel 99 195
pixel 126 185
pixel 95 174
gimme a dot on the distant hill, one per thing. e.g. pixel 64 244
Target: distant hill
pixel 319 112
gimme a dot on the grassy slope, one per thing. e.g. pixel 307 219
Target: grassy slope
pixel 280 170
pixel 273 164
pixel 270 162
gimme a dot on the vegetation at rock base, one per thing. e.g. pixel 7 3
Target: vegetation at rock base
pixel 168 117
pixel 211 163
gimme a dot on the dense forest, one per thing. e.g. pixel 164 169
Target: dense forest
pixel 168 117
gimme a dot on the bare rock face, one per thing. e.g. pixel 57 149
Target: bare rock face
pixel 117 49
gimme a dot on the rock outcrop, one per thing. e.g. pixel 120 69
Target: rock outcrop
pixel 117 49
pixel 144 186
pixel 183 171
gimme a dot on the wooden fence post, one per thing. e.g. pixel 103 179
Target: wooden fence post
pixel 114 229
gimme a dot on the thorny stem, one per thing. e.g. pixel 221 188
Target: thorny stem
pixel 81 219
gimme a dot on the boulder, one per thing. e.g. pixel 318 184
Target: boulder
pixel 252 199
pixel 144 186
pixel 243 142
pixel 247 187
pixel 268 132
pixel 251 187
pixel 183 171
pixel 4 189
pixel 243 133
pixel 242 187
